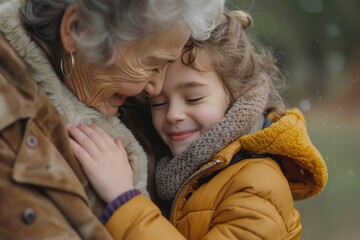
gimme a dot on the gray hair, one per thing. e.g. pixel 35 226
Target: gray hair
pixel 106 24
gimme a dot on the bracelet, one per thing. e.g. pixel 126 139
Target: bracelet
pixel 116 203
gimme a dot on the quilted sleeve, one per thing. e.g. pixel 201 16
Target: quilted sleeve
pixel 139 218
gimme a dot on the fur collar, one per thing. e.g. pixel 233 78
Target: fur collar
pixel 69 107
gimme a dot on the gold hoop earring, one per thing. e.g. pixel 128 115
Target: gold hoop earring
pixel 62 66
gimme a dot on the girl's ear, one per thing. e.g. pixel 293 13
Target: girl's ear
pixel 68 23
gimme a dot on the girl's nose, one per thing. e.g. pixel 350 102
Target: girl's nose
pixel 175 113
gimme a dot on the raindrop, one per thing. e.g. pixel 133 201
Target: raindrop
pixel 332 30
pixel 305 105
pixel 340 109
pixel 311 6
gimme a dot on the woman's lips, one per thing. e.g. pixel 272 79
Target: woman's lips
pixel 180 135
pixel 120 100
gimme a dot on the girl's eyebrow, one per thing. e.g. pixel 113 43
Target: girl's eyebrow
pixel 191 84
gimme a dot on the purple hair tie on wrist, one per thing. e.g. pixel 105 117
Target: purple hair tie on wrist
pixel 116 203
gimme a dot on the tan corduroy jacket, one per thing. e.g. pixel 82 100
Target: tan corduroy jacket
pixel 43 192
pixel 251 199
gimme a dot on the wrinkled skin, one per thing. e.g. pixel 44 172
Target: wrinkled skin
pixel 139 66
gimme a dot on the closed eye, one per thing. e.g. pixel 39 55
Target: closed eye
pixel 160 69
pixel 194 100
pixel 157 104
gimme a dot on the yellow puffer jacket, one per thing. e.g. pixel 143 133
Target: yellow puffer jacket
pixel 251 199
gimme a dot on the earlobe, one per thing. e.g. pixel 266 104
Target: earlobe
pixel 68 23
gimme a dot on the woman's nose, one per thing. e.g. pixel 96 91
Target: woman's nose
pixel 154 86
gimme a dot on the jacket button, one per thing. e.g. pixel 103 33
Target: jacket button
pixel 29 216
pixel 31 141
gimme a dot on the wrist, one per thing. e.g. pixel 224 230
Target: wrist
pixel 117 203
pixel 115 192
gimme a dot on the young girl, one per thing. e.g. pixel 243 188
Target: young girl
pixel 237 158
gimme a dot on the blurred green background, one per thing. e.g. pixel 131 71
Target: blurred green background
pixel 318 45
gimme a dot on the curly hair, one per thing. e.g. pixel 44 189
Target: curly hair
pixel 238 61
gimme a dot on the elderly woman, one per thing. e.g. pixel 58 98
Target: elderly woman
pixel 76 61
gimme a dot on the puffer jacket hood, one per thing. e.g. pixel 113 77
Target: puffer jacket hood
pixel 304 167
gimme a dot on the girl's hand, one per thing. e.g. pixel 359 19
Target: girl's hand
pixel 104 160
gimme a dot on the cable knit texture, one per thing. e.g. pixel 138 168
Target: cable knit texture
pixel 244 117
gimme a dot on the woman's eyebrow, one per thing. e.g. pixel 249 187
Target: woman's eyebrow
pixel 167 59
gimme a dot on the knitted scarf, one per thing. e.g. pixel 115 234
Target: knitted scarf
pixel 244 117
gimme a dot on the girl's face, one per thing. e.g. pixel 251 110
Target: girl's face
pixel 191 103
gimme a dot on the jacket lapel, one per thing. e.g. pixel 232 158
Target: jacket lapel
pixel 39 163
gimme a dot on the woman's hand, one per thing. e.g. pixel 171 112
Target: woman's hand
pixel 104 160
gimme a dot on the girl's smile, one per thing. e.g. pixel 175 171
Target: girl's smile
pixel 179 136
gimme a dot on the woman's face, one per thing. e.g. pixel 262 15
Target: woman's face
pixel 140 66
